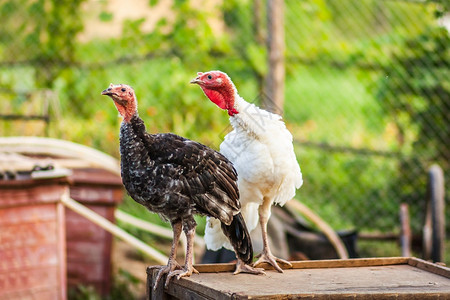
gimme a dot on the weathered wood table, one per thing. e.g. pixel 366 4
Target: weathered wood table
pixel 371 278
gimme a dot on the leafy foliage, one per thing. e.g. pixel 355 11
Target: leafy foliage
pixel 48 37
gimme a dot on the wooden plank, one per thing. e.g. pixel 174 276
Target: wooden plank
pixel 100 195
pixel 96 177
pixel 84 273
pixel 158 293
pixel 312 264
pixel 376 278
pixel 61 234
pixel 32 239
pixel 23 215
pixel 27 234
pixel 17 258
pixel 83 230
pixel 39 212
pixel 429 267
pixel 32 293
pixel 362 281
pixel 348 263
pixel 24 192
pixel 180 289
pixel 89 249
pixel 29 278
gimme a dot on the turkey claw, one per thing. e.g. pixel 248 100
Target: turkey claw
pixel 272 260
pixel 241 267
pixel 171 266
pixel 186 272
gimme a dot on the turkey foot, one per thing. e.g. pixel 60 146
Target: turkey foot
pixel 241 267
pixel 171 266
pixel 269 258
pixel 186 272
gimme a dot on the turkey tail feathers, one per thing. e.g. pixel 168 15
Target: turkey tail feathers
pixel 239 238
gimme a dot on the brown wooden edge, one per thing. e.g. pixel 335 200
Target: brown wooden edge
pixel 335 263
pixel 178 289
pixel 429 267
pixel 186 289
pixel 158 293
pixel 312 264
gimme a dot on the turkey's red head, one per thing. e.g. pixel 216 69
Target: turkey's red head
pixel 124 99
pixel 219 88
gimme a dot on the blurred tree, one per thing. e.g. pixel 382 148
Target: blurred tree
pixel 46 37
pixel 57 38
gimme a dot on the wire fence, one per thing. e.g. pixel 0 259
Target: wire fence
pixel 366 89
pixel 377 50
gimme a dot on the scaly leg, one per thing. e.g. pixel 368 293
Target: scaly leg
pixel 188 267
pixel 266 255
pixel 172 264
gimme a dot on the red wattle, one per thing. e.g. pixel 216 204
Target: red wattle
pixel 223 98
pixel 232 111
pixel 216 97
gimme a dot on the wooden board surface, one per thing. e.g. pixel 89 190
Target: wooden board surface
pixel 396 278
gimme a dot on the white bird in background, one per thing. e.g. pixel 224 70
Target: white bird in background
pixel 261 150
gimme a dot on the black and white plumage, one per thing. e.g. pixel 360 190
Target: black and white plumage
pixel 178 178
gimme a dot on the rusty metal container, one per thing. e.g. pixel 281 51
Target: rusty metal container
pixel 32 239
pixel 88 245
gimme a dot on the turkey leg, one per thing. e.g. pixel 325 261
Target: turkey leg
pixel 172 264
pixel 188 267
pixel 266 255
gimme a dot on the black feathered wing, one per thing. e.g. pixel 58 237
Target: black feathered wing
pixel 212 184
pixel 198 172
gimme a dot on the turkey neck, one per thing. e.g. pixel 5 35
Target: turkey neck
pixel 251 119
pixel 135 157
pixel 134 139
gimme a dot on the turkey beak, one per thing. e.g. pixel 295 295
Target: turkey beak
pixel 107 92
pixel 196 80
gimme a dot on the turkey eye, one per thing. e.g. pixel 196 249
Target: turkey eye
pixel 123 89
pixel 209 77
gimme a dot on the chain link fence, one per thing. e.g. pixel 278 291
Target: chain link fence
pixel 366 89
pixel 377 71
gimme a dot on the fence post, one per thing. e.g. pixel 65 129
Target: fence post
pixel 434 228
pixel 405 236
pixel 258 15
pixel 274 83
